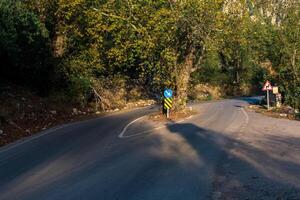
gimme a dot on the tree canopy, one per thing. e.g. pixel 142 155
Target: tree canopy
pixel 77 45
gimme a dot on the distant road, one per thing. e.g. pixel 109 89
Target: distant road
pixel 223 152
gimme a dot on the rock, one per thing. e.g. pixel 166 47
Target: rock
pixel 23 99
pixel 27 131
pixel 1 132
pixel 79 112
pixel 53 112
pixel 289 110
pixel 283 115
pixel 296 111
pixel 97 113
pixel 14 124
pixel 151 102
pixel 117 109
pixel 75 111
pixel 22 115
pixel 10 94
pixel 29 106
pixel 84 113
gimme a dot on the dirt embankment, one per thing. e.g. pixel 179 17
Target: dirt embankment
pixel 173 115
pixel 285 112
pixel 23 113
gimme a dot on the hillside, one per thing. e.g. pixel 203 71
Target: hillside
pixel 106 54
pixel 24 113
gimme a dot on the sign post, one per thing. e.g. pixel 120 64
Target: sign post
pixel 168 113
pixel 268 99
pixel 168 93
pixel 267 87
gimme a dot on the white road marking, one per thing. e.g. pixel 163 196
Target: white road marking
pixel 244 125
pixel 142 132
pixel 53 129
pixel 18 143
pixel 246 115
pixel 121 135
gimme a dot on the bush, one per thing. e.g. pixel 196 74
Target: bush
pixel 79 88
pixel 24 46
pixel 112 92
pixel 205 92
pixel 298 116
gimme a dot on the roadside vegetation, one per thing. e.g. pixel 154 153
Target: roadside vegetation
pixel 285 112
pixel 103 55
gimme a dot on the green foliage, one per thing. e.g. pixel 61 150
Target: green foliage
pixel 287 59
pixel 298 116
pixel 79 88
pixel 153 44
pixel 23 45
pixel 210 70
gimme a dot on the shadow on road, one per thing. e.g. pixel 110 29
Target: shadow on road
pixel 176 164
pixel 252 100
pixel 243 171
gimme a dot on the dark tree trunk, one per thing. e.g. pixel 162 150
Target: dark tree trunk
pixel 183 73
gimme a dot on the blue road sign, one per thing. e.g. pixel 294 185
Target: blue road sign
pixel 168 93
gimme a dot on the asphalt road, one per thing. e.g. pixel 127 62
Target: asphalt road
pixel 223 152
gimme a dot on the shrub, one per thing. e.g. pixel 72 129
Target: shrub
pixel 79 88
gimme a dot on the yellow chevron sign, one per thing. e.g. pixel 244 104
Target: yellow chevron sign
pixel 168 103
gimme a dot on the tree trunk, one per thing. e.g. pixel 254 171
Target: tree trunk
pixel 183 73
pixel 293 62
pixel 58 44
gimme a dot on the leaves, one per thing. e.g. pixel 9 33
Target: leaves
pixel 222 42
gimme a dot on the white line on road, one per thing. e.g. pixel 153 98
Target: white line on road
pixel 242 129
pixel 53 129
pixel 246 115
pixel 21 142
pixel 121 135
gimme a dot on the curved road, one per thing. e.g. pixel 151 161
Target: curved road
pixel 223 152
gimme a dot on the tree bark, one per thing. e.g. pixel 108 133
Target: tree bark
pixel 183 73
pixel 58 45
pixel 293 62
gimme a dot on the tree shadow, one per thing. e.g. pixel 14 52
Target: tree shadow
pixel 242 170
pixel 191 163
pixel 251 100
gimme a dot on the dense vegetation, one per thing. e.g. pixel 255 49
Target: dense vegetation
pixel 82 48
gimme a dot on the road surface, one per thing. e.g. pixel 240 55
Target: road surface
pixel 223 152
